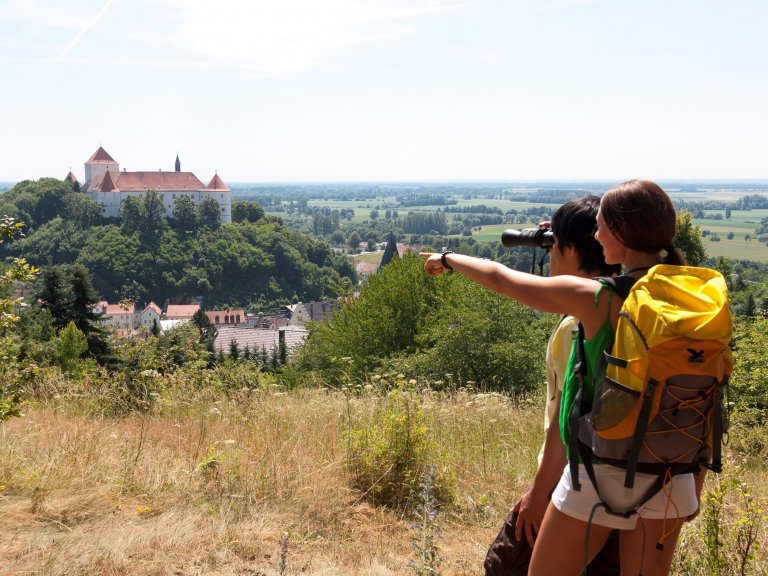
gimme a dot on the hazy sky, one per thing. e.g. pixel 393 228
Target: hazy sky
pixel 360 90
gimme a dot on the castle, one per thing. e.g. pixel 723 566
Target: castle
pixel 108 186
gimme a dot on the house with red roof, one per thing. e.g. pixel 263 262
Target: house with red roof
pixel 228 316
pixel 150 316
pixel 181 311
pixel 108 186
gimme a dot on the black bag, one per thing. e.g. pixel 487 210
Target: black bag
pixel 509 557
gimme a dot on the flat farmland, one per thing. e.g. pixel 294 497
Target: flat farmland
pixel 741 224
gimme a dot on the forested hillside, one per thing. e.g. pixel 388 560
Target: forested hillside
pixel 254 262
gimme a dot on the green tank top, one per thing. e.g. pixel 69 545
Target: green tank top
pixel 593 350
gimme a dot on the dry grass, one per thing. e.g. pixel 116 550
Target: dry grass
pixel 208 485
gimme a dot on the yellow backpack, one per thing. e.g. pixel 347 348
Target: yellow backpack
pixel 659 406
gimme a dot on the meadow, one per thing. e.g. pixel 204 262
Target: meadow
pixel 742 224
pixel 260 482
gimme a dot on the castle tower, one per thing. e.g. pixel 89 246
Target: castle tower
pixel 98 164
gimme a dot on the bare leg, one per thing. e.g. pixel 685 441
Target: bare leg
pixel 559 549
pixel 654 562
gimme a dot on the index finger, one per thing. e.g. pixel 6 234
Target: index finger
pixel 426 255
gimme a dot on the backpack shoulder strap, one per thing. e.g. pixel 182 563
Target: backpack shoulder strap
pixel 621 285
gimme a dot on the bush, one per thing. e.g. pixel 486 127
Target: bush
pixel 387 452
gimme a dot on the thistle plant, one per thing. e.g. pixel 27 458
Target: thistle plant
pixel 427 529
pixel 282 564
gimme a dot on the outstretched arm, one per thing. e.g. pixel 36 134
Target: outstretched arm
pixel 571 295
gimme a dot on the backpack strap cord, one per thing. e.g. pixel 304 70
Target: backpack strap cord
pixel 719 426
pixel 642 425
pixel 668 480
pixel 577 410
pixel 586 535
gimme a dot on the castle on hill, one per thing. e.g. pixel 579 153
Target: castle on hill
pixel 108 186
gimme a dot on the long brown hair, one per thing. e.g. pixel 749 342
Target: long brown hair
pixel 641 215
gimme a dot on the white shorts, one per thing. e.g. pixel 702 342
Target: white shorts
pixel 676 500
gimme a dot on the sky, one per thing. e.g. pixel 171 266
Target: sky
pixel 387 90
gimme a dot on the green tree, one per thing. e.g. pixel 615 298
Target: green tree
pixel 39 201
pixel 184 214
pixel 354 239
pixel 209 213
pixel 382 322
pixel 247 212
pixel 68 295
pixel 131 214
pixel 82 210
pixel 54 296
pixel 513 337
pixel 688 239
pixel 84 299
pixel 234 349
pixel 204 324
pixel 70 344
pixel 749 381
pixel 19 272
pixel 152 217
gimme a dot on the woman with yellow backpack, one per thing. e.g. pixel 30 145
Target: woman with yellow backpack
pixel 636 225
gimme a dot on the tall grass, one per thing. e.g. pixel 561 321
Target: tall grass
pixel 209 482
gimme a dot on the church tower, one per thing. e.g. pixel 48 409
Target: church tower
pixel 178 164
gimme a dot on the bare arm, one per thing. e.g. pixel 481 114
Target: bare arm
pixel 570 295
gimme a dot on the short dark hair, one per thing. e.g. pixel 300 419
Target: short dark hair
pixel 573 224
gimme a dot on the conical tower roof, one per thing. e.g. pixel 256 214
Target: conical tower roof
pixel 389 252
pixel 100 155
pixel 72 178
pixel 217 184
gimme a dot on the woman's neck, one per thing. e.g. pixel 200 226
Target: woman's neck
pixel 639 266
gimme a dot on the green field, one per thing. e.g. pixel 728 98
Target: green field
pixel 742 223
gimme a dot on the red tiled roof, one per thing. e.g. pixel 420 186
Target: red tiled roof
pixel 107 184
pixel 181 310
pixel 127 181
pixel 155 307
pixel 159 181
pixel 100 155
pixel 217 184
pixel 72 178
pixel 117 309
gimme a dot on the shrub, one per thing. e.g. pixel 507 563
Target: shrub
pixel 387 452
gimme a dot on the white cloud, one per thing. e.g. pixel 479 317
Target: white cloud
pixel 292 35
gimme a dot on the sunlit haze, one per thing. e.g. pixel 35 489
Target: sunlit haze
pixel 387 90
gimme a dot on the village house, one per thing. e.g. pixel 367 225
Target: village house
pixel 151 316
pixel 181 311
pixel 120 317
pixel 311 311
pixel 227 317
